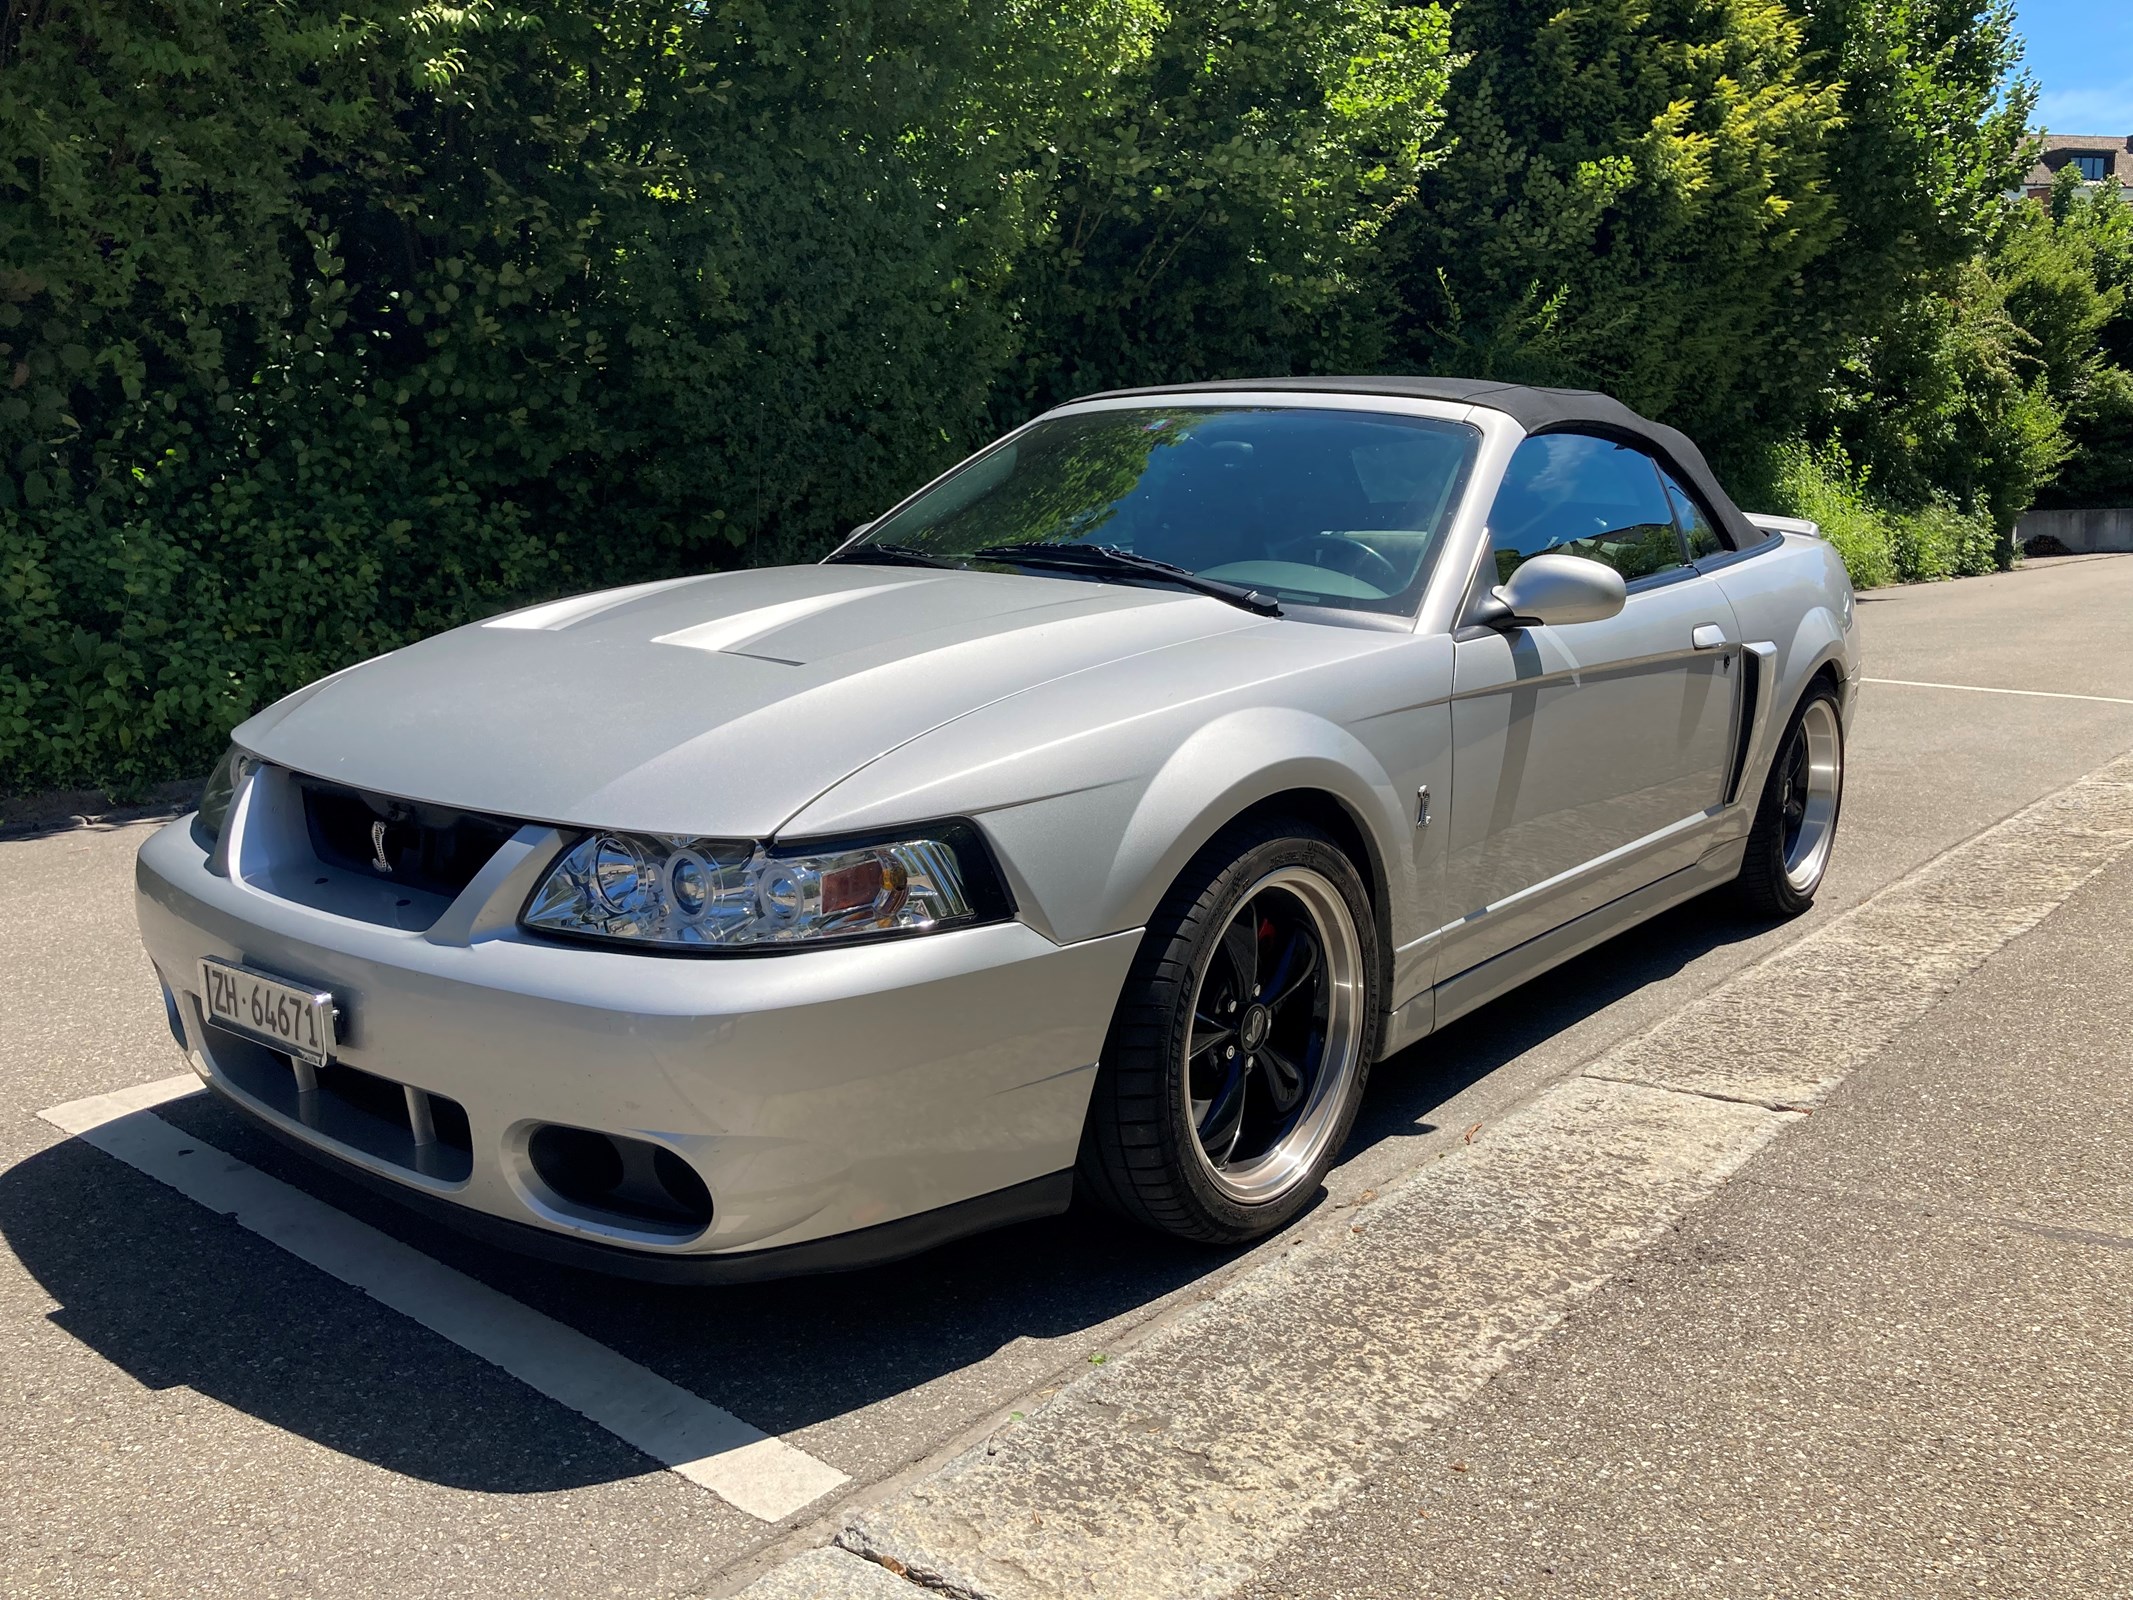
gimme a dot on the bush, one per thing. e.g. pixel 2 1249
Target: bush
pixel 1940 541
pixel 333 326
pixel 1880 544
pixel 1822 484
pixel 327 326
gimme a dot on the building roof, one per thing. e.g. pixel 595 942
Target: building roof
pixel 1534 409
pixel 2060 148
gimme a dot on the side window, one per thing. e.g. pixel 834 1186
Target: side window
pixel 1584 496
pixel 1697 530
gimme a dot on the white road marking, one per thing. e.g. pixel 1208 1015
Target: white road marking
pixel 750 1470
pixel 1978 688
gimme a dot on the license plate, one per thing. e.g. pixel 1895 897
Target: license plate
pixel 299 1021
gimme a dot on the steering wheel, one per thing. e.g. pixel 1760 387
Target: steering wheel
pixel 1349 555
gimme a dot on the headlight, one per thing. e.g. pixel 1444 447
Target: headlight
pixel 221 789
pixel 675 893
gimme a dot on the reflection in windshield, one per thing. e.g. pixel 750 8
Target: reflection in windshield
pixel 1321 507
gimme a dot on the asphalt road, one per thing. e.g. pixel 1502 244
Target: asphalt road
pixel 192 1411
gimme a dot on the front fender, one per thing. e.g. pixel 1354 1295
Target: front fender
pixel 1097 790
pixel 1222 771
pixel 1096 858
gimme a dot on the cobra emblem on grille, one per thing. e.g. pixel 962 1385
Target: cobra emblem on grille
pixel 377 847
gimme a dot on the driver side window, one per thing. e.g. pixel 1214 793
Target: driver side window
pixel 1581 495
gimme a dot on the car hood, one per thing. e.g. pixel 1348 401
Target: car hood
pixel 716 705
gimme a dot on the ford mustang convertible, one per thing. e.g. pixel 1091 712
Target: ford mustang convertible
pixel 1090 822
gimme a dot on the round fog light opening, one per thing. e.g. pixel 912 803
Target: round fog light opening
pixel 576 1163
pixel 681 1183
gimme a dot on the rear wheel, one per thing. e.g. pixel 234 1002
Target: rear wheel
pixel 1242 1042
pixel 1796 822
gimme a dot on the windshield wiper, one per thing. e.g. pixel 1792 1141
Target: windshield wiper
pixel 1099 559
pixel 889 555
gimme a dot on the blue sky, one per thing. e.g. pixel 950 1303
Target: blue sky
pixel 2082 56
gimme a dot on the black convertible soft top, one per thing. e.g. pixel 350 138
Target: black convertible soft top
pixel 1535 410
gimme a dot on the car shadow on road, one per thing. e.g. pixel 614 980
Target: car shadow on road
pixel 1462 1053
pixel 176 1296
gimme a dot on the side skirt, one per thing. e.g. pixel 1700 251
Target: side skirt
pixel 1477 986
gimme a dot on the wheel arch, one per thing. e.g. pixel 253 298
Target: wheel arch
pixel 1824 650
pixel 1253 765
pixel 1337 819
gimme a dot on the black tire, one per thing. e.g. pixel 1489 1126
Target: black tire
pixel 1141 1151
pixel 1771 883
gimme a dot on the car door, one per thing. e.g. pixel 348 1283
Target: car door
pixel 1584 757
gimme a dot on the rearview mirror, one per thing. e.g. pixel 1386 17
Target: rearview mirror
pixel 1551 591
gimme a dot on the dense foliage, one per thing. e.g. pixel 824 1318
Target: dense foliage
pixel 331 328
pixel 1635 191
pixel 1218 211
pixel 323 327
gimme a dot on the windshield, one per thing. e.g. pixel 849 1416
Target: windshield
pixel 1314 507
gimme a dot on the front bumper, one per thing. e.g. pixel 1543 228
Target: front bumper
pixel 864 1101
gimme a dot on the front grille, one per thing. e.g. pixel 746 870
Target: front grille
pixel 409 1127
pixel 434 849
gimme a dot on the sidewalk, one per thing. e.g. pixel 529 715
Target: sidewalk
pixel 1893 1357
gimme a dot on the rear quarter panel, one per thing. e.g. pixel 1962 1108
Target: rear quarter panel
pixel 1795 596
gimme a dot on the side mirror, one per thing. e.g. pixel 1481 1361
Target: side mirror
pixel 1551 591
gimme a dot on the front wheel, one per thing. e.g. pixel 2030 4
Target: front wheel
pixel 1796 823
pixel 1239 1051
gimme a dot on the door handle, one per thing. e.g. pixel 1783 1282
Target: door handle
pixel 1708 636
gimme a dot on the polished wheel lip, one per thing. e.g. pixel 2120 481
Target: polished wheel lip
pixel 1275 1172
pixel 1813 785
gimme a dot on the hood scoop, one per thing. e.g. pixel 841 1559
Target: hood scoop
pixel 753 633
pixel 718 705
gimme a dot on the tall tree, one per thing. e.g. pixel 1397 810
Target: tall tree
pixel 2068 268
pixel 1635 193
pixel 1218 211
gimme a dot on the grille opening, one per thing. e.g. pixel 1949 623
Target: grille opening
pixel 352 1107
pixel 432 849
pixel 614 1178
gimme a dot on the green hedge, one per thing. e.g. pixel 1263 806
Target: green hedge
pixel 323 327
pixel 331 326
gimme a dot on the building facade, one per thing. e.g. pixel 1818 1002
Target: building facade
pixel 2099 158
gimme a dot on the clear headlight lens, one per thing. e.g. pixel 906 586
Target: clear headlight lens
pixel 707 894
pixel 218 794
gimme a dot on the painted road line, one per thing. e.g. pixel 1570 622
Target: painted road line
pixel 1177 1468
pixel 1978 688
pixel 750 1470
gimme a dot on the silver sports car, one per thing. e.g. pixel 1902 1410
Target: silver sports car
pixel 1090 822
